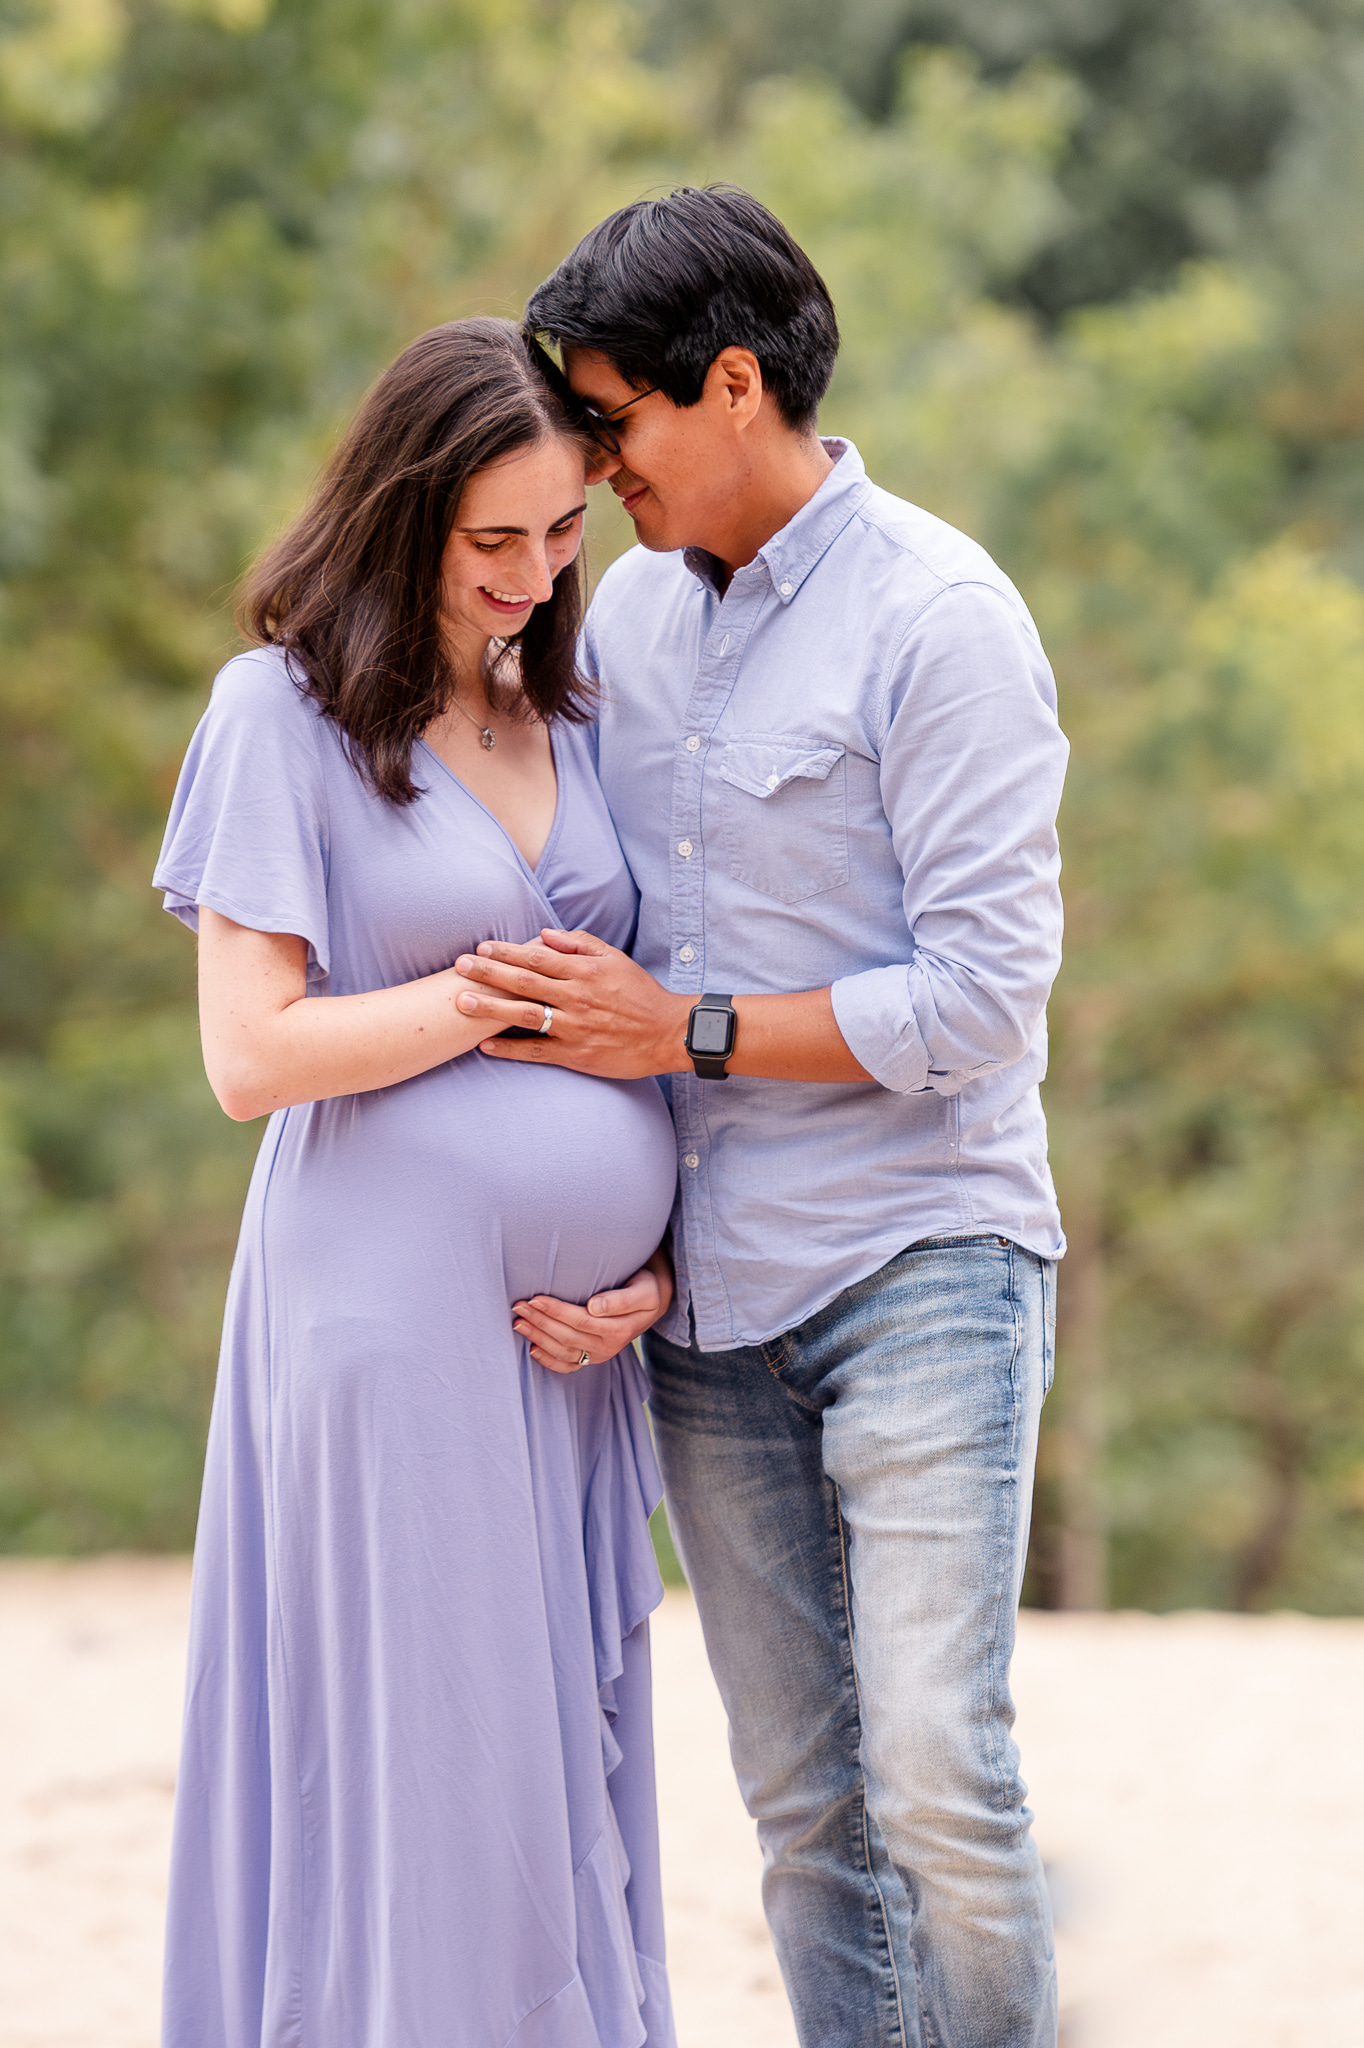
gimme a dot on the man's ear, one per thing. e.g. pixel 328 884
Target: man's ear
pixel 735 381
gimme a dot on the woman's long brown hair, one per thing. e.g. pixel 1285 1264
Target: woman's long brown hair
pixel 353 590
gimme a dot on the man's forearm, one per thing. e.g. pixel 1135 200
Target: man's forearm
pixel 779 1038
pixel 791 1038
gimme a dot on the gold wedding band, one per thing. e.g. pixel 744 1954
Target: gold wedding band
pixel 583 1358
pixel 549 1019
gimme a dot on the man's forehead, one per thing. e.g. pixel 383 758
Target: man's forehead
pixel 594 378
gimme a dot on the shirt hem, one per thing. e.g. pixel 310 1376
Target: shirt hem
pixel 885 1251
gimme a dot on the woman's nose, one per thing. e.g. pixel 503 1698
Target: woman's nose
pixel 602 465
pixel 538 573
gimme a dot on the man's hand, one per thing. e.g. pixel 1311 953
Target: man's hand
pixel 560 1332
pixel 610 1017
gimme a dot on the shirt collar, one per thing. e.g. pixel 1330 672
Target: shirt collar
pixel 792 553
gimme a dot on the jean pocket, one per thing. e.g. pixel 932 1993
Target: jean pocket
pixel 785 805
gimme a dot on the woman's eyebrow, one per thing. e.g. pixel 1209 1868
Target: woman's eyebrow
pixel 524 531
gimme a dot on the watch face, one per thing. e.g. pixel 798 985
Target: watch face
pixel 710 1032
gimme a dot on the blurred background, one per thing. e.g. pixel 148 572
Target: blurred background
pixel 1099 266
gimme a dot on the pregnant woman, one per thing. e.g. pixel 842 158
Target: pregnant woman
pixel 415 1807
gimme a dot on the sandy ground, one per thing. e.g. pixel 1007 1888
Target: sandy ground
pixel 1199 1784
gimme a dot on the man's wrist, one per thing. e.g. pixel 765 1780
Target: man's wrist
pixel 712 1035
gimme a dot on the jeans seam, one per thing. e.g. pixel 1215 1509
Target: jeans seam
pixel 857 1696
pixel 1001 1778
pixel 777 1367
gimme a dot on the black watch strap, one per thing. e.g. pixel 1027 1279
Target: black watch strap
pixel 716 1045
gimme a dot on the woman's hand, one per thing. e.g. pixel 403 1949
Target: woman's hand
pixel 564 1337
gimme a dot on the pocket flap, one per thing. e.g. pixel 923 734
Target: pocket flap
pixel 762 767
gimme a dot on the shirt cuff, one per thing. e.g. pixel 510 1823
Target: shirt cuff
pixel 876 1017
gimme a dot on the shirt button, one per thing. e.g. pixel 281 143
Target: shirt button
pixel 692 1161
pixel 773 779
pixel 785 589
pixel 724 645
pixel 684 848
pixel 687 953
pixel 693 742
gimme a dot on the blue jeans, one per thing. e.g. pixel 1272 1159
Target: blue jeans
pixel 850 1502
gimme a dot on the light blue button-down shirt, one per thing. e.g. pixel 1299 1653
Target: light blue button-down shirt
pixel 845 772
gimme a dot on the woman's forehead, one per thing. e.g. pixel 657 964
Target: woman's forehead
pixel 529 479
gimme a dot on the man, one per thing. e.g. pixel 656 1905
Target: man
pixel 829 743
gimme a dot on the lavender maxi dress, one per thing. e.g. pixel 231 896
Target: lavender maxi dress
pixel 416 1804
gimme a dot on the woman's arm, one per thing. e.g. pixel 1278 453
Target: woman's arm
pixel 267 1045
pixel 560 1332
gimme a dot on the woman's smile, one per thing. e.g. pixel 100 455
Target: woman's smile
pixel 505 601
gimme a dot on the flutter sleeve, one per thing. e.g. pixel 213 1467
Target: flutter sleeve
pixel 247 833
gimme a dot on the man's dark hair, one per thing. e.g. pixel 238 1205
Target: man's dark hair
pixel 662 286
pixel 353 591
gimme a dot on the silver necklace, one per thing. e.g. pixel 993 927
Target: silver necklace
pixel 487 737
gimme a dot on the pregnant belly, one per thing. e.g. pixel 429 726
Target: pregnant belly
pixel 530 1179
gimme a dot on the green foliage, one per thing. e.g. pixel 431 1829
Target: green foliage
pixel 669 1565
pixel 1235 1113
pixel 219 217
pixel 1203 127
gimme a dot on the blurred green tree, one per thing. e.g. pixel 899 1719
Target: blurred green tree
pixel 1097 269
pixel 1204 128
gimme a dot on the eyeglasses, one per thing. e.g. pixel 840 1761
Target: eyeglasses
pixel 599 423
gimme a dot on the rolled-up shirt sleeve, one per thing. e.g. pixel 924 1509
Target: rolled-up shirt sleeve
pixel 972 766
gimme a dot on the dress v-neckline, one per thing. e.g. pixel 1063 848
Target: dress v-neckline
pixel 535 873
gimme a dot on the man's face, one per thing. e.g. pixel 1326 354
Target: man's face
pixel 678 465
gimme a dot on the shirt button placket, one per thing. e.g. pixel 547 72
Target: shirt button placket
pixel 687 892
pixel 687 897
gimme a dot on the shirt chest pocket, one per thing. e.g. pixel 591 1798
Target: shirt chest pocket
pixel 785 807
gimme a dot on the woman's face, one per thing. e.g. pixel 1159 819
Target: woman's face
pixel 518 524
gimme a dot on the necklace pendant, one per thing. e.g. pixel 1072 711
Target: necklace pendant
pixel 487 738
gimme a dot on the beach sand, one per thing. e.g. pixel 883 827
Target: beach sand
pixel 1198 1781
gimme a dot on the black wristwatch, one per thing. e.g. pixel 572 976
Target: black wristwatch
pixel 711 1031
